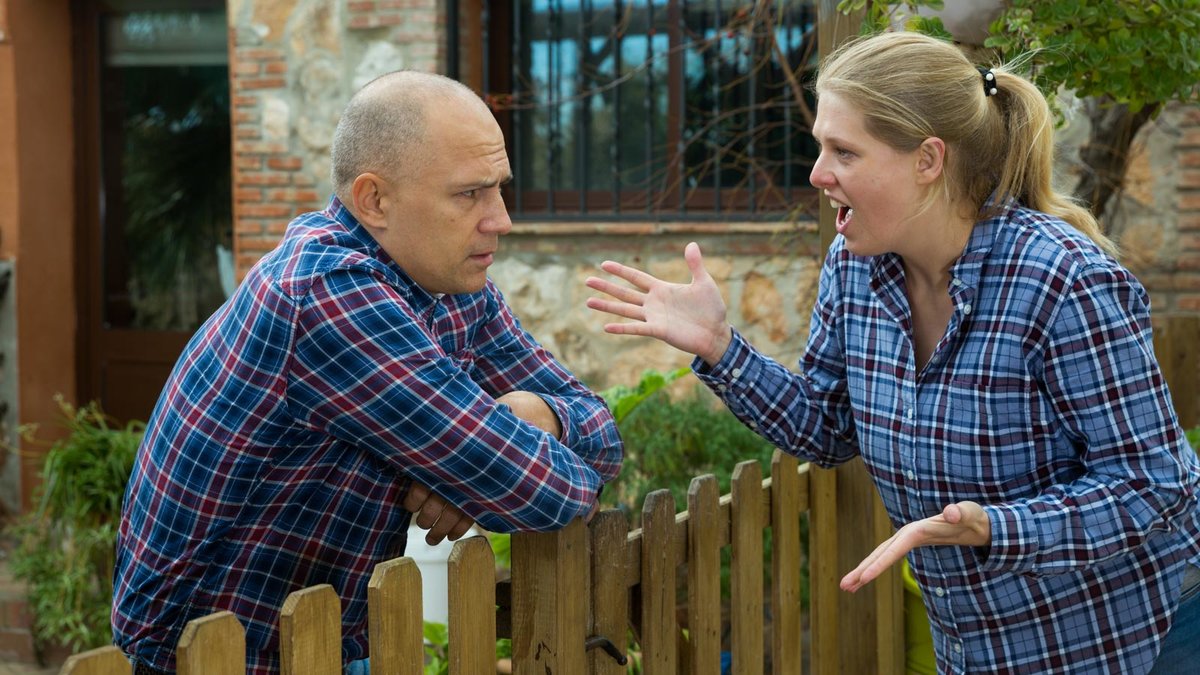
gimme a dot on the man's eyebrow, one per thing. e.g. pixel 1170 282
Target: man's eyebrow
pixel 483 184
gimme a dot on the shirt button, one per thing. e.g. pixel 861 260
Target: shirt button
pixel 939 591
pixel 752 425
pixel 736 372
pixel 966 309
pixel 909 413
pixel 721 387
pixel 957 648
pixel 911 475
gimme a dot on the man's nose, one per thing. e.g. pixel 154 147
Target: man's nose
pixel 496 220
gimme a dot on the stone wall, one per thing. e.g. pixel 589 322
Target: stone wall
pixel 294 63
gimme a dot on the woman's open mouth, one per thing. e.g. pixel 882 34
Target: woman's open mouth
pixel 844 215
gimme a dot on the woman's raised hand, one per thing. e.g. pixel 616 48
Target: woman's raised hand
pixel 689 317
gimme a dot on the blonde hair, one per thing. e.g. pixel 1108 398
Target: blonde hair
pixel 910 87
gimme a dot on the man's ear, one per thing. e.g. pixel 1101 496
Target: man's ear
pixel 368 193
pixel 931 158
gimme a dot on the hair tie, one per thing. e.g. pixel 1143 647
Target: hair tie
pixel 989 81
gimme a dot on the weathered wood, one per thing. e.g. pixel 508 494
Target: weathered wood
pixel 395 623
pixel 704 575
pixel 310 632
pixel 212 645
pixel 786 556
pixel 658 584
pixel 100 661
pixel 471 582
pixel 610 595
pixel 823 577
pixel 746 570
pixel 1177 348
pixel 549 609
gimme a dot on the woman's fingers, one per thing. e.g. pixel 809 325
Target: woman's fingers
pixel 641 280
pixel 622 293
pixel 622 309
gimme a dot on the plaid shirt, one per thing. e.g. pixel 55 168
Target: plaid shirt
pixel 1043 402
pixel 284 442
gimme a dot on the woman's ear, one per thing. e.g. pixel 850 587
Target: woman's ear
pixel 368 196
pixel 931 158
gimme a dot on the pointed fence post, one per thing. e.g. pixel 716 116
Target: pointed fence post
pixel 471 581
pixel 212 645
pixel 550 605
pixel 310 632
pixel 101 661
pixel 395 624
pixel 659 627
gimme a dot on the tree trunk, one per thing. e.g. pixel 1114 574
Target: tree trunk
pixel 1105 155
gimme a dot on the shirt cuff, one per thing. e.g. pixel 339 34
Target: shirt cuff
pixel 562 411
pixel 1014 539
pixel 735 364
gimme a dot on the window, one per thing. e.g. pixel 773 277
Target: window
pixel 663 109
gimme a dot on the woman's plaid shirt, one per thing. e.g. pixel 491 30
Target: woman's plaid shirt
pixel 1043 402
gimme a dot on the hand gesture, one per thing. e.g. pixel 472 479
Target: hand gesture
pixel 435 514
pixel 962 524
pixel 689 317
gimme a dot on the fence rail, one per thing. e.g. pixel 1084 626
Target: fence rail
pixel 634 596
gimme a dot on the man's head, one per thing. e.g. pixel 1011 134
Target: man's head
pixel 419 160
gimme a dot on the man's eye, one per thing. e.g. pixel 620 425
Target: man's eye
pixel 470 193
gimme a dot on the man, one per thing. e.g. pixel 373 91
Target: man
pixel 364 370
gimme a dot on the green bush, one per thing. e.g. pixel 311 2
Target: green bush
pixel 65 546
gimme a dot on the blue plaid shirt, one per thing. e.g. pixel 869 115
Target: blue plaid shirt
pixel 280 451
pixel 1043 402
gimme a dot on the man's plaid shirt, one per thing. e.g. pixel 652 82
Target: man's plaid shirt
pixel 281 449
pixel 1043 402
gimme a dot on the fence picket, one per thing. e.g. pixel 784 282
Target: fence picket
pixel 212 645
pixel 610 593
pixel 659 627
pixel 704 576
pixel 100 661
pixel 785 565
pixel 471 577
pixel 310 632
pixel 745 576
pixel 394 609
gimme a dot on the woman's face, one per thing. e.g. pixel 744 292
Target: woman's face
pixel 874 187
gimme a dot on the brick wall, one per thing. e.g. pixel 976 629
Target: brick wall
pixel 1187 280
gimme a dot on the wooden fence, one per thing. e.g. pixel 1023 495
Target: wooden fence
pixel 575 591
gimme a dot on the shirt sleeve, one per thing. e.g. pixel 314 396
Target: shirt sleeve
pixel 509 359
pixel 365 371
pixel 1138 470
pixel 807 414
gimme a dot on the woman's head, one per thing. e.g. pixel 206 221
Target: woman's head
pixel 911 87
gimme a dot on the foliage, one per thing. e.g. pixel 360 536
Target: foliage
pixel 437 649
pixel 1106 47
pixel 1193 436
pixel 65 547
pixel 668 442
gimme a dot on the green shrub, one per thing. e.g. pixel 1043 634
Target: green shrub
pixel 65 546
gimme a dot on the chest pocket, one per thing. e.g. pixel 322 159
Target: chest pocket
pixel 985 434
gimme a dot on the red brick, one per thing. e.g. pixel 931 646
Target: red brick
pixel 264 210
pixel 285 163
pixel 263 179
pixel 1189 158
pixel 1189 221
pixel 260 54
pixel 245 101
pixel 247 132
pixel 247 195
pixel 363 21
pixel 243 83
pixel 1190 138
pixel 259 147
pixel 1188 303
pixel 276 67
pixel 258 243
pixel 292 196
pixel 1188 262
pixel 303 180
pixel 245 68
pixel 1190 179
pixel 248 162
pixel 1189 201
pixel 362 6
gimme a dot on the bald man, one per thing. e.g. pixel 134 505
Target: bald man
pixel 364 371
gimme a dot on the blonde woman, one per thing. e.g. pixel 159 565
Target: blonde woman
pixel 977 344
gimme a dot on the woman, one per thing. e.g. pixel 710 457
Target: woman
pixel 977 344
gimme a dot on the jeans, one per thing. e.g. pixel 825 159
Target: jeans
pixel 1180 652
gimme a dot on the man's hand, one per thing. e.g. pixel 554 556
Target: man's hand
pixel 962 524
pixel 435 514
